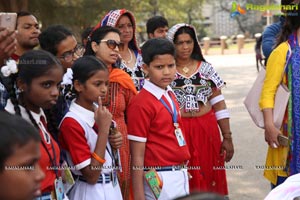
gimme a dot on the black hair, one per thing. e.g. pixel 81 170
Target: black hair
pixel 32 64
pixel 156 22
pixel 85 34
pixel 85 67
pixel 22 14
pixel 196 54
pixel 35 63
pixel 52 37
pixel 98 35
pixel 15 132
pixel 291 24
pixel 156 46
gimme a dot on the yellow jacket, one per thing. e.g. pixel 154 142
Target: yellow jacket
pixel 276 158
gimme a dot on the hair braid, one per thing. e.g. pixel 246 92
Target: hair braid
pixel 51 123
pixel 31 117
pixel 12 93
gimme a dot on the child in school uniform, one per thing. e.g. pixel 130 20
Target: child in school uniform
pixel 157 140
pixel 20 173
pixel 85 134
pixel 37 78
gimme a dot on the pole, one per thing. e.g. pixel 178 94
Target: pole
pixel 268 14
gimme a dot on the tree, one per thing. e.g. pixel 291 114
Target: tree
pixel 183 11
pixel 79 14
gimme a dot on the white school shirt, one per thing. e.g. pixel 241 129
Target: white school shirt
pixel 10 108
pixel 159 92
pixel 86 120
pixel 36 116
pixel 83 190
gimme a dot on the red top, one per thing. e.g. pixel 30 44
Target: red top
pixel 45 163
pixel 74 141
pixel 149 121
pixel 79 139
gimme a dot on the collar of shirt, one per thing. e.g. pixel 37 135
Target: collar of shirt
pixel 67 78
pixel 84 114
pixel 155 90
pixel 36 116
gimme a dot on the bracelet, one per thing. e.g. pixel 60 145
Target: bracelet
pixel 229 137
pixel 100 160
pixel 222 114
pixel 216 99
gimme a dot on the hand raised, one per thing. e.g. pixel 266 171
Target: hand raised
pixel 102 117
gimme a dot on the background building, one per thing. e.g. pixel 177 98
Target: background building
pixel 217 21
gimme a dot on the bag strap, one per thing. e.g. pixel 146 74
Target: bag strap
pixel 288 57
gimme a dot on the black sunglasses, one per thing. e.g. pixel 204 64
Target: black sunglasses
pixel 112 44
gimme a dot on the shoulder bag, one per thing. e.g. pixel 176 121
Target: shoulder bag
pixel 251 101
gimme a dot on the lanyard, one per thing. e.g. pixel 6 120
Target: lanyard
pixel 112 157
pixel 53 161
pixel 174 114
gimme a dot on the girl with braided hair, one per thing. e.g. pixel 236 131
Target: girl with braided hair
pixel 37 80
pixel 88 135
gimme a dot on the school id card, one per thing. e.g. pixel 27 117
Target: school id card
pixel 179 137
pixel 154 182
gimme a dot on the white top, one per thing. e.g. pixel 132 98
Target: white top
pixel 288 190
pixel 86 120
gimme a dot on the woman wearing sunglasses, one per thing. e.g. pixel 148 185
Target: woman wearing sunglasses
pixel 131 59
pixel 105 44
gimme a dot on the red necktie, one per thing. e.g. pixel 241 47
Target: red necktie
pixel 45 129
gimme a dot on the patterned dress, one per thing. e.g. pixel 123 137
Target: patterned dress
pixel 136 74
pixel 203 137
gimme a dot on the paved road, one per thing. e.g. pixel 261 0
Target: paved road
pixel 245 179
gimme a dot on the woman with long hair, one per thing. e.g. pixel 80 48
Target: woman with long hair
pixel 283 161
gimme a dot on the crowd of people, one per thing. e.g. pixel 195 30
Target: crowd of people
pixel 118 112
pixel 127 121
